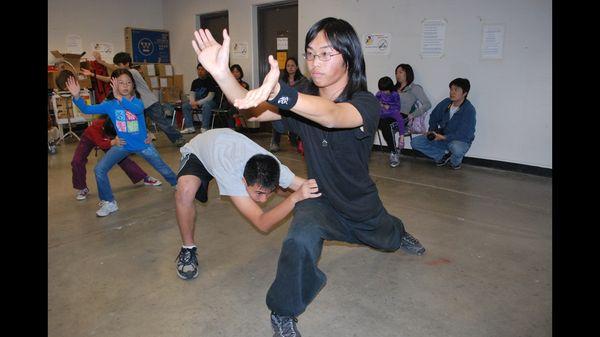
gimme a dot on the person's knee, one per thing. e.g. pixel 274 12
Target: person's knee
pixel 457 148
pixel 185 193
pixel 78 162
pixel 418 141
pixel 100 170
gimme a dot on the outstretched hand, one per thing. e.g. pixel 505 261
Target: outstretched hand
pixel 73 87
pixel 213 56
pixel 114 83
pixel 268 90
pixel 308 189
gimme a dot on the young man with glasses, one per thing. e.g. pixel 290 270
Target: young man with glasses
pixel 337 119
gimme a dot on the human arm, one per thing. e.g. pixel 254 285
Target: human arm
pixel 215 59
pixel 265 221
pixel 94 75
pixel 74 88
pixel 320 110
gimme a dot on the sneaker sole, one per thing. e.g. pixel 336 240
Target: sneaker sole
pixel 78 198
pixel 102 216
pixel 147 184
pixel 187 278
pixel 412 252
pixel 394 165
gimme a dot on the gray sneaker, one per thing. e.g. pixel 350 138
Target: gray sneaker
pixel 274 147
pixel 395 159
pixel 187 263
pixel 411 245
pixel 107 207
pixel 284 326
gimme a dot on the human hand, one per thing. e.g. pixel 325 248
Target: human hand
pixel 213 56
pixel 268 90
pixel 149 137
pixel 114 84
pixel 194 105
pixel 86 72
pixel 73 87
pixel 117 141
pixel 308 189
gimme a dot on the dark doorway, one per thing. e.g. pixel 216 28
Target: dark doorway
pixel 215 23
pixel 279 20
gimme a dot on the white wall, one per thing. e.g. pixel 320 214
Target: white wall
pixel 99 21
pixel 512 96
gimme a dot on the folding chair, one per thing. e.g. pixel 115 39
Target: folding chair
pixel 223 114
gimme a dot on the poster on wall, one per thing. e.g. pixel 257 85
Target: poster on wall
pixel 281 57
pixel 492 42
pixel 74 44
pixel 433 37
pixel 240 50
pixel 106 49
pixel 146 45
pixel 376 43
pixel 282 43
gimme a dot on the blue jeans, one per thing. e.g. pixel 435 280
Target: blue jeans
pixel 298 278
pixel 156 114
pixel 436 149
pixel 118 153
pixel 206 114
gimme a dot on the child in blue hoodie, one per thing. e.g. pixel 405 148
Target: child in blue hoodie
pixel 126 110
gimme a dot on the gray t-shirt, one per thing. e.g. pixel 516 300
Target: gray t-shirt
pixel 147 96
pixel 224 154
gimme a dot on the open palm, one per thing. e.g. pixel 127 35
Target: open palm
pixel 213 56
pixel 270 87
pixel 73 86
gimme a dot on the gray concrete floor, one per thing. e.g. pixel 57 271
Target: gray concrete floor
pixel 487 270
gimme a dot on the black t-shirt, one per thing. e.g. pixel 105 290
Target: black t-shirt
pixel 203 86
pixel 341 168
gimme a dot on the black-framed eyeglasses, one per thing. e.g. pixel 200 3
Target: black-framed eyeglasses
pixel 323 56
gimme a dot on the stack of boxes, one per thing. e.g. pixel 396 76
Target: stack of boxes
pixel 69 62
pixel 162 81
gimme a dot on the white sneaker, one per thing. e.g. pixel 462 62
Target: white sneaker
pixel 395 159
pixel 188 130
pixel 151 181
pixel 82 194
pixel 107 208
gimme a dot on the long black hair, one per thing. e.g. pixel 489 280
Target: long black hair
pixel 343 39
pixel 297 75
pixel 116 74
pixel 410 74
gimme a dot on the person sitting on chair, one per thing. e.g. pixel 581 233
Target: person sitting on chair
pixel 202 94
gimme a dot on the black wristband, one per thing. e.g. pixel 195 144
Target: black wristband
pixel 286 98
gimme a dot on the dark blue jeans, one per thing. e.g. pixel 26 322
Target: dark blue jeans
pixel 298 278
pixel 156 114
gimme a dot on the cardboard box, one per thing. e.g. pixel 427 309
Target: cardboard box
pixel 178 82
pixel 153 82
pixel 166 81
pixel 148 69
pixel 170 95
pixel 164 69
pixel 68 62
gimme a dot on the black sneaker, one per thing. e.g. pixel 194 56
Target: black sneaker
pixel 187 263
pixel 409 244
pixel 444 159
pixel 457 167
pixel 284 326
pixel 180 142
